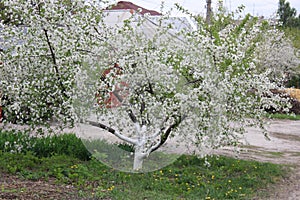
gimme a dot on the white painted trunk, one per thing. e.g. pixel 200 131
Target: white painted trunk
pixel 139 157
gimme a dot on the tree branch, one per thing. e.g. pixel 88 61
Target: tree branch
pixel 150 90
pixel 113 131
pixel 143 106
pixel 53 56
pixel 87 51
pixel 120 99
pixel 51 50
pixel 132 116
pixel 164 137
pixel 194 81
pixel 112 47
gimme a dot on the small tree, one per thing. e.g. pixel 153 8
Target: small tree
pixel 192 89
pixel 199 87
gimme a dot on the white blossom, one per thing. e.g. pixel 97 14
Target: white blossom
pixel 201 86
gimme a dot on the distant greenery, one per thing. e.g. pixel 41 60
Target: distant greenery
pixel 283 116
pixel 64 159
pixel 294 35
pixel 294 82
pixel 288 15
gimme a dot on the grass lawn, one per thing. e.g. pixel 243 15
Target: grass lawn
pixel 187 178
pixel 63 161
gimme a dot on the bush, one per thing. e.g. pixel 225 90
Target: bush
pixel 45 146
pixel 65 144
pixel 126 147
pixel 294 82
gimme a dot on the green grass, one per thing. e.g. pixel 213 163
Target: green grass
pixel 273 154
pixel 283 116
pixel 187 178
pixel 43 146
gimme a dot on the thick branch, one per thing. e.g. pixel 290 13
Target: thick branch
pixel 143 107
pixel 55 63
pixel 132 116
pixel 113 131
pixel 150 90
pixel 164 137
pixel 51 50
pixel 120 99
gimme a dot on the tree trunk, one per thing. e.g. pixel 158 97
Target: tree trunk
pixel 139 157
pixel 208 11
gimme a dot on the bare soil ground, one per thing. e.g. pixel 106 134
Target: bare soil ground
pixel 15 188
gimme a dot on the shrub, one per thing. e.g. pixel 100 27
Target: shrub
pixel 294 82
pixel 45 146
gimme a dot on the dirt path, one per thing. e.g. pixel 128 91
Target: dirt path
pixel 283 148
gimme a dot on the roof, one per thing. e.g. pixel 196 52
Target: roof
pixel 126 5
pixel 150 24
pixel 116 18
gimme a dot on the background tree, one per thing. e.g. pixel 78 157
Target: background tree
pixel 288 15
pixel 208 11
pixel 40 57
pixel 291 25
pixel 276 53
